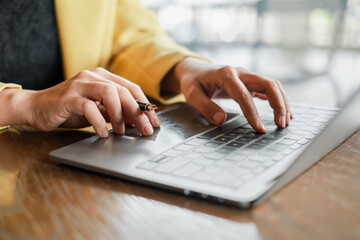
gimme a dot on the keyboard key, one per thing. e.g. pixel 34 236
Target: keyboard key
pixel 160 159
pixel 253 135
pixel 259 158
pixel 204 149
pixel 201 176
pixel 287 142
pixel 196 142
pixel 258 170
pixel 224 163
pixel 203 161
pixel 184 147
pixel 321 120
pixel 310 137
pixel 315 124
pixel 268 163
pixel 215 155
pixel 147 165
pixel 225 150
pixel 296 146
pixel 254 146
pixel 214 144
pixel 264 141
pixel 242 130
pixel 235 157
pixel 267 152
pixel 232 134
pixel 295 137
pixel 172 165
pixel 224 179
pixel 315 111
pixel 214 170
pixel 308 128
pixel 242 140
pixel 235 144
pixel 223 139
pixel 191 155
pixel 287 151
pixel 220 130
pixel 172 153
pixel 303 141
pixel 278 157
pixel 300 110
pixel 247 176
pixel 277 147
pixel 237 183
pixel 301 132
pixel 187 170
pixel 248 164
pixel 284 131
pixel 239 170
pixel 274 136
pixel 246 151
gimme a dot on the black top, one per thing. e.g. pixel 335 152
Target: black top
pixel 29 44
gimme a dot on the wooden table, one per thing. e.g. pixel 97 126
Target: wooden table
pixel 42 200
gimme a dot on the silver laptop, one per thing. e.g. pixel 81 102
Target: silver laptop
pixel 229 164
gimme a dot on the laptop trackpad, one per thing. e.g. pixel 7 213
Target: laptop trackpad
pixel 117 151
pixel 177 124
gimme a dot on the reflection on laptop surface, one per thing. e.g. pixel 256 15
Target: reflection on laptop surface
pixel 229 164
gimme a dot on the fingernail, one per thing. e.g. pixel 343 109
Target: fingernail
pixel 261 126
pixel 148 129
pixel 121 129
pixel 105 133
pixel 283 121
pixel 218 118
pixel 156 122
pixel 287 118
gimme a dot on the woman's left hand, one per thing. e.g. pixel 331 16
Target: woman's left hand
pixel 200 81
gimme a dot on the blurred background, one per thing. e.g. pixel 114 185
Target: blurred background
pixel 311 46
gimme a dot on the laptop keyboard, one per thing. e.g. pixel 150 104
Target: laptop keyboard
pixel 233 153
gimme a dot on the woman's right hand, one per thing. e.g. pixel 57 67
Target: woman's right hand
pixel 90 98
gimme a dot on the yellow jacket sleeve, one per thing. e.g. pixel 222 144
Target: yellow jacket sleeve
pixel 2 87
pixel 142 52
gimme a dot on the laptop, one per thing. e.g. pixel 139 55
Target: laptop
pixel 229 164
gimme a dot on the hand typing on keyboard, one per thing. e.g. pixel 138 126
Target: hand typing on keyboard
pixel 200 81
pixel 232 154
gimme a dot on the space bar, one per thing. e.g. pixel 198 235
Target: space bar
pixel 224 128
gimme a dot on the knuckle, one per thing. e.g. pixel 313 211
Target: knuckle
pixel 74 84
pixel 124 91
pixel 228 72
pixel 244 96
pixel 272 84
pixel 277 82
pixel 109 89
pixel 83 74
pixel 99 69
pixel 227 69
pixel 135 87
pixel 87 105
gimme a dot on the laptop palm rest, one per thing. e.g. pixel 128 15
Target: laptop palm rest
pixel 119 153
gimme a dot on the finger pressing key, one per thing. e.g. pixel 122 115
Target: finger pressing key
pixel 231 83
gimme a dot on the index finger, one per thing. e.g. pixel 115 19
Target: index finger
pixel 230 82
pixel 134 89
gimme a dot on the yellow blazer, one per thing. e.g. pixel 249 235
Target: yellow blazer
pixel 119 35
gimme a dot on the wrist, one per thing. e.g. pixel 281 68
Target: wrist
pixel 17 108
